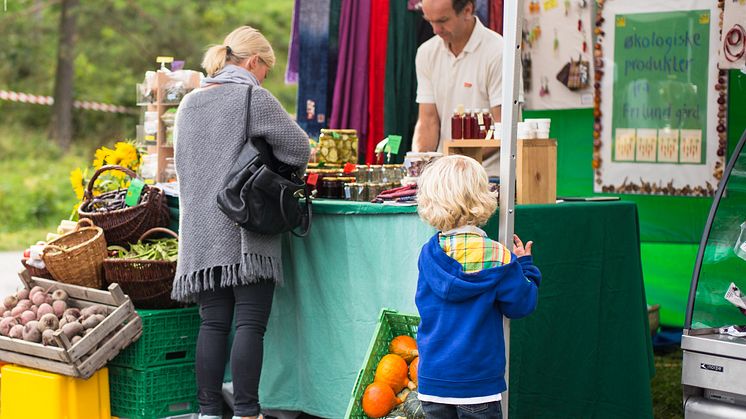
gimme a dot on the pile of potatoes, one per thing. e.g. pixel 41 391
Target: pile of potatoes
pixel 35 315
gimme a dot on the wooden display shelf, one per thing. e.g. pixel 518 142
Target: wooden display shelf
pixel 535 170
pixel 160 106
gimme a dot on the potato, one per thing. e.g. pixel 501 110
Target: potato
pixel 93 321
pixel 16 332
pixel 39 298
pixel 75 339
pixel 10 301
pixel 35 309
pixel 94 309
pixel 31 332
pixel 34 290
pixel 48 321
pixel 27 316
pixel 48 299
pixel 59 295
pixel 22 294
pixel 24 303
pixel 47 338
pixel 6 324
pixel 63 322
pixel 59 307
pixel 44 309
pixel 17 310
pixel 72 311
pixel 7 313
pixel 72 329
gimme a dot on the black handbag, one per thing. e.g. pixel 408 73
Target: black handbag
pixel 261 193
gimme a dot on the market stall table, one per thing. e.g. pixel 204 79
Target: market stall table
pixel 584 352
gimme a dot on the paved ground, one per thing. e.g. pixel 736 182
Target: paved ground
pixel 10 264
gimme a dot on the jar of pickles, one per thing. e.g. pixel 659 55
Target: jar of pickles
pixel 337 146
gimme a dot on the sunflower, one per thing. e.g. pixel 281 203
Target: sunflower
pixel 76 180
pixel 127 155
pixel 101 157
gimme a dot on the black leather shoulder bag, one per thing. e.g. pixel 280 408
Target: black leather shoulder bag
pixel 261 193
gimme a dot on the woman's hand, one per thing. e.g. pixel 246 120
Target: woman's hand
pixel 518 248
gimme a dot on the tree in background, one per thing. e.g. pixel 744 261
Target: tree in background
pixel 61 127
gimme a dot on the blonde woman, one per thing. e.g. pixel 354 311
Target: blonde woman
pixel 467 283
pixel 223 267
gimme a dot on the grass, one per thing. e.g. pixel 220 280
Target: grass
pixel 666 385
pixel 35 191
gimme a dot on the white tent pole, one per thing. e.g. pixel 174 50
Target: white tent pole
pixel 512 19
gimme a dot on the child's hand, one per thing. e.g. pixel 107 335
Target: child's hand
pixel 518 248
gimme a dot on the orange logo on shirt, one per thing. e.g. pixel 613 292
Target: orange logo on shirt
pixel 467 84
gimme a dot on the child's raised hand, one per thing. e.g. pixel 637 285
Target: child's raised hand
pixel 518 247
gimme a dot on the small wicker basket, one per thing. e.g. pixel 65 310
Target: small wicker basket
pixel 77 257
pixel 148 283
pixel 123 226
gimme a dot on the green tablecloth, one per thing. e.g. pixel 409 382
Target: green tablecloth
pixel 585 352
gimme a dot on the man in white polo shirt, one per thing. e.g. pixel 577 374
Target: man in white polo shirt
pixel 462 65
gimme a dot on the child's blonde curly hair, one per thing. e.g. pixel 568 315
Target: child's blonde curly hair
pixel 453 192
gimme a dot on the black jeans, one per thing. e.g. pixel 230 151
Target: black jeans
pixel 491 410
pixel 252 304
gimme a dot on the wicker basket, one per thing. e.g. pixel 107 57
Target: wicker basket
pixel 124 226
pixel 148 283
pixel 34 271
pixel 77 257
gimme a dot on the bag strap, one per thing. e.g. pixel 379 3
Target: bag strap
pixel 246 136
pixel 307 218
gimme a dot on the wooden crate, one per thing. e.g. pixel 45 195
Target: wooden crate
pixel 535 168
pixel 121 327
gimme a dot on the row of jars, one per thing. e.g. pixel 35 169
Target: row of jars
pixel 362 184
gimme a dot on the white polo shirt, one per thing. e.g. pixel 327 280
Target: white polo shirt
pixel 473 78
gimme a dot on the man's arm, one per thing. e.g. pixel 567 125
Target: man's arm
pixel 427 130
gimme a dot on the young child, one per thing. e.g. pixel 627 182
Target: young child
pixel 467 283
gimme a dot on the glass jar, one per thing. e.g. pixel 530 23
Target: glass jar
pixel 356 191
pixel 375 174
pixel 169 172
pixel 361 173
pixel 337 146
pixel 393 173
pixel 149 168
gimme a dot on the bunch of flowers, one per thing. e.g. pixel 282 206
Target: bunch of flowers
pixel 125 153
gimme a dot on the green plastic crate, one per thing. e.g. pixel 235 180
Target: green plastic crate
pixel 168 337
pixel 390 325
pixel 159 392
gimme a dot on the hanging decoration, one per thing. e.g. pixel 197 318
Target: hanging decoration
pixel 654 130
pixel 732 52
pixel 561 59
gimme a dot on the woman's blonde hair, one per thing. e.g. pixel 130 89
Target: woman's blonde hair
pixel 244 42
pixel 453 192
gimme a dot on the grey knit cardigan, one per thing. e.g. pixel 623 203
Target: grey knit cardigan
pixel 209 134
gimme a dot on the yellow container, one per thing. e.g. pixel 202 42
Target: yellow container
pixel 27 393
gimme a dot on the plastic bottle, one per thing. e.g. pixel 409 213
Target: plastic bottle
pixel 469 122
pixel 457 125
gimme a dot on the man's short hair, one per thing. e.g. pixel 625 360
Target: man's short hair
pixel 459 5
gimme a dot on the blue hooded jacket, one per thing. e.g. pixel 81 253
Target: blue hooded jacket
pixel 460 337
